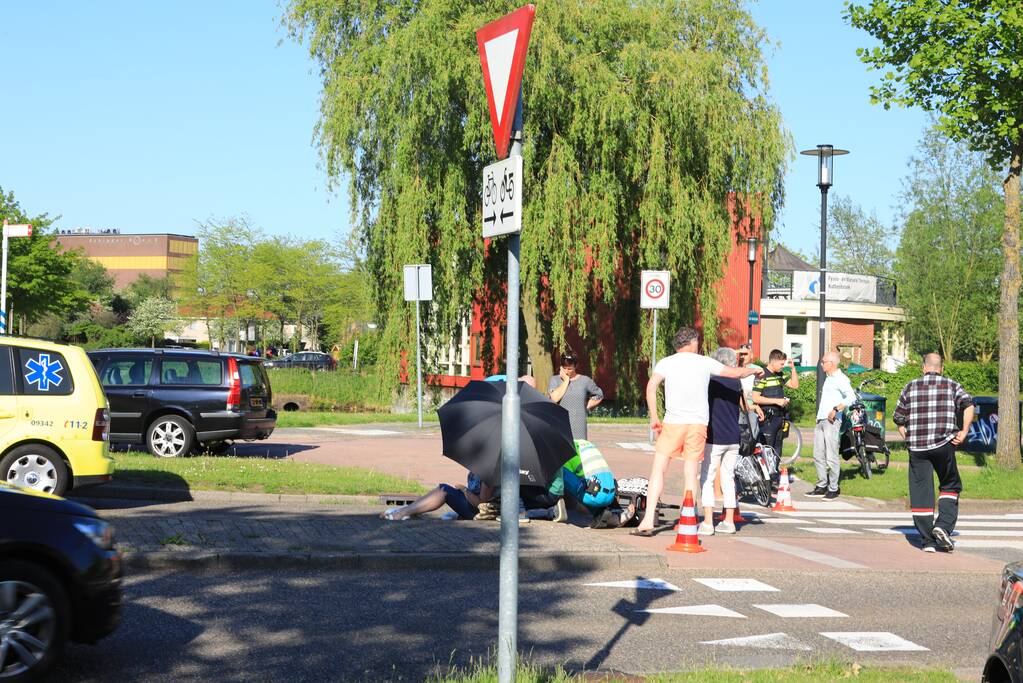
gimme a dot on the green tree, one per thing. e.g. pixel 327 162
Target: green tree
pixel 93 279
pixel 948 257
pixel 152 318
pixel 215 284
pixel 963 59
pixel 39 277
pixel 857 242
pixel 146 286
pixel 640 118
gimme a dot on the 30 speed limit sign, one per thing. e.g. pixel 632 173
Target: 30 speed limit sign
pixel 654 289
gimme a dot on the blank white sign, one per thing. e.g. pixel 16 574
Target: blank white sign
pixel 419 282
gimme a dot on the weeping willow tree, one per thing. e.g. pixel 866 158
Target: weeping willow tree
pixel 640 117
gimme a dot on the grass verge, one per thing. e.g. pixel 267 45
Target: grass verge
pixel 988 482
pixel 808 673
pixel 329 419
pixel 255 475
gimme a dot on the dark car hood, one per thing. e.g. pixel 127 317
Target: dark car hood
pixel 13 498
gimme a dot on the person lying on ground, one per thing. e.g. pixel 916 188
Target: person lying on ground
pixel 464 500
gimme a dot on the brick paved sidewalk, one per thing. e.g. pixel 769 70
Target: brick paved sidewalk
pixel 257 527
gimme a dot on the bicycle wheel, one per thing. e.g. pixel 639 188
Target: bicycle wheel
pixel 861 453
pixel 761 491
pixel 796 436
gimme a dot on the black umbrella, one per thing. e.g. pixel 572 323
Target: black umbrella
pixel 470 424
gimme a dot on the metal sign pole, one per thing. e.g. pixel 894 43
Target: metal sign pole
pixel 508 612
pixel 653 360
pixel 419 368
pixel 3 287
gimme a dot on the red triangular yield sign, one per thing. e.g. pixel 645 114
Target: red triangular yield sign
pixel 502 46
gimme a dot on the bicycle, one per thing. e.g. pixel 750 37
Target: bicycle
pixel 862 438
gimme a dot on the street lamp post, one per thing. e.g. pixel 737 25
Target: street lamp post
pixel 751 256
pixel 824 154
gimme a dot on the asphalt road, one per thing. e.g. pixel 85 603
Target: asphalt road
pixel 288 626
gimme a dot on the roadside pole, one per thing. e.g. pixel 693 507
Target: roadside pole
pixel 502 45
pixel 355 356
pixel 654 293
pixel 418 287
pixel 20 230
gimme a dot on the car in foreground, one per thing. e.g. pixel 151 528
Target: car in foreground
pixel 1005 661
pixel 53 417
pixel 60 580
pixel 310 360
pixel 175 400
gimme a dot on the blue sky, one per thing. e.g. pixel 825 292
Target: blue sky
pixel 149 117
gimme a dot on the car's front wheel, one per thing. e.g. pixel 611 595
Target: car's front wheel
pixel 35 467
pixel 170 436
pixel 34 621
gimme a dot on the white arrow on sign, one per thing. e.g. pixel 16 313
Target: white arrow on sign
pixel 502 197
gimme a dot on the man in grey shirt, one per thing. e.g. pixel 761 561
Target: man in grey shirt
pixel 578 394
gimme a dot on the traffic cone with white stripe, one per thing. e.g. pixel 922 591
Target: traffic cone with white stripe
pixel 783 501
pixel 737 518
pixel 686 540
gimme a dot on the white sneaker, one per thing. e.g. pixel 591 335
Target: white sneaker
pixel 705 529
pixel 726 528
pixel 559 513
pixel 930 549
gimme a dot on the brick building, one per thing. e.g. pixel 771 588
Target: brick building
pixel 127 256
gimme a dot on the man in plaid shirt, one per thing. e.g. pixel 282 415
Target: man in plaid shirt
pixel 926 416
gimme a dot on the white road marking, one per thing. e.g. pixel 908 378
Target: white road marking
pixel 911 531
pixel 811 555
pixel 891 514
pixel 903 522
pixel 783 520
pixel 977 543
pixel 734 585
pixel 801 611
pixel 767 641
pixel 827 530
pixel 647 584
pixel 815 505
pixel 697 611
pixel 874 641
pixel 357 432
pixel 636 446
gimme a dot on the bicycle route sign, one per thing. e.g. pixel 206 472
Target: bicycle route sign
pixel 654 289
pixel 502 197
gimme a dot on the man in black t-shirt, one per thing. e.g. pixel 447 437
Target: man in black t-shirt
pixel 725 401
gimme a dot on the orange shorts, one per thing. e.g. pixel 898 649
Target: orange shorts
pixel 682 441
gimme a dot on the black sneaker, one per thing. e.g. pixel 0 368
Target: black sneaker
pixel 942 540
pixel 818 491
pixel 831 495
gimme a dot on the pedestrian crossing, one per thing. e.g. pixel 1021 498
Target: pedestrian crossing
pixel 859 641
pixel 818 518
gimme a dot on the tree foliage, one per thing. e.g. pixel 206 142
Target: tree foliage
pixel 964 60
pixel 857 242
pixel 948 257
pixel 152 318
pixel 39 278
pixel 640 118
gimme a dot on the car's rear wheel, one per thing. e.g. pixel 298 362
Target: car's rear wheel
pixel 35 620
pixel 35 467
pixel 170 436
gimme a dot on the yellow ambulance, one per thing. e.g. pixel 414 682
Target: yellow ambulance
pixel 54 424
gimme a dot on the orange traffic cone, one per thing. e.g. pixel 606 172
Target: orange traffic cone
pixel 737 518
pixel 686 540
pixel 783 502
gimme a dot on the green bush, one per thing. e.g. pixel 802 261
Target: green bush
pixel 337 390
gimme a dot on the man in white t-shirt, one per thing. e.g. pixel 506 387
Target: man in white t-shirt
pixel 683 434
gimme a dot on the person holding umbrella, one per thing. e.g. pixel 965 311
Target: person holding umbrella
pixel 471 425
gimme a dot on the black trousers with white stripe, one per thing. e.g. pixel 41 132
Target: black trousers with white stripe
pixel 923 465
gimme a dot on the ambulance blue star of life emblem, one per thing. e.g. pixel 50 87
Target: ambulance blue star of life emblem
pixel 44 373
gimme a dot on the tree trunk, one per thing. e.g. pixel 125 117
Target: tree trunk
pixel 1008 324
pixel 538 355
